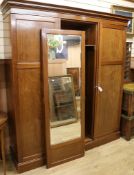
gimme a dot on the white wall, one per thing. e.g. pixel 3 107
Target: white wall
pixel 98 5
pixel 1 38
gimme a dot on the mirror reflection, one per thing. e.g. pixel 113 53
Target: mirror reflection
pixel 64 67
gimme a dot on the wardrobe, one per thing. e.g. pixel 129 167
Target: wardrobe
pixel 103 47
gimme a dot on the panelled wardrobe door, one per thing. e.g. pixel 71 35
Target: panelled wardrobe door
pixel 63 52
pixel 109 87
pixel 30 139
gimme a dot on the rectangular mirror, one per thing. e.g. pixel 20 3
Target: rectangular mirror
pixel 65 124
pixel 63 59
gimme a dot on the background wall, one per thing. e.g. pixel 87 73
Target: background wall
pixel 1 38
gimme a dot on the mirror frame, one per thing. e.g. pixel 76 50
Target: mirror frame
pixel 62 152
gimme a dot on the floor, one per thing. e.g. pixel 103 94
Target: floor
pixel 114 158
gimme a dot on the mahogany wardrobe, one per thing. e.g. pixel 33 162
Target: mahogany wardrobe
pixel 64 74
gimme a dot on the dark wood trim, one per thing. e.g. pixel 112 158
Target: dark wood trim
pixel 2 85
pixel 29 165
pixel 102 140
pixel 129 0
pixel 113 26
pixel 34 156
pixel 2 61
pixel 15 88
pixel 7 4
pixel 97 74
pixel 64 16
pixel 26 165
pixel 2 74
pixel 35 18
pixel 122 81
pixel 68 159
pixel 32 65
pixel 103 63
pixel 118 7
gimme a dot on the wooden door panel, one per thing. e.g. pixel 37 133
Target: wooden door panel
pixel 30 111
pixel 29 99
pixel 110 76
pixel 107 120
pixel 28 38
pixel 112 46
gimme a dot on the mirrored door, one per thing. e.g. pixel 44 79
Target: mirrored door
pixel 63 62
